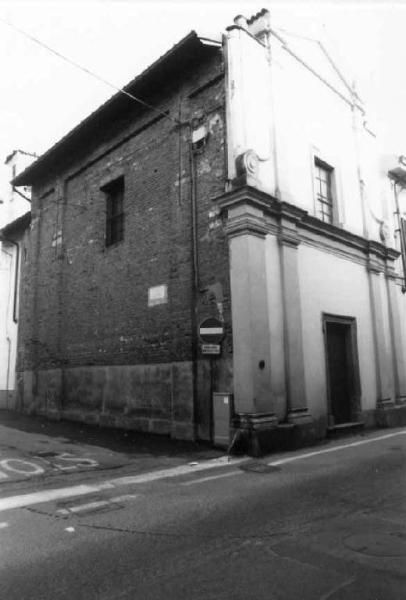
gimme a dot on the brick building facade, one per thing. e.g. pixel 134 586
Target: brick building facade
pixel 95 344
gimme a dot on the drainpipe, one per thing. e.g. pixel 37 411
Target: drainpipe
pixel 195 280
pixel 402 237
pixel 8 368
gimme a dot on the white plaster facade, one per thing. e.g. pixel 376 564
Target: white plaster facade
pixel 291 272
pixel 12 207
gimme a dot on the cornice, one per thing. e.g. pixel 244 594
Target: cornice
pixel 246 195
pixel 301 226
pixel 332 232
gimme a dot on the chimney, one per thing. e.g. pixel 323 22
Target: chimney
pixel 260 24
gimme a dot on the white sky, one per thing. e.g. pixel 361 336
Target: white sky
pixel 42 97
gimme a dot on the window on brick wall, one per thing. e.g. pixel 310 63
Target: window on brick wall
pixel 114 192
pixel 323 181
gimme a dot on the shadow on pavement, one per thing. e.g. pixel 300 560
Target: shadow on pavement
pixel 129 442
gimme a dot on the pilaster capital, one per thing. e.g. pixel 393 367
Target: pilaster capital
pixel 290 212
pixel 390 273
pixel 250 210
pixel 288 237
pixel 380 252
pixel 246 225
pixel 245 208
pixel 374 266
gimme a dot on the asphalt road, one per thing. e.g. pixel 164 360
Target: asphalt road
pixel 326 523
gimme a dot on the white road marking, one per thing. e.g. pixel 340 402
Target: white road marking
pixel 82 490
pixel 3 525
pixel 30 469
pixel 48 495
pixel 338 587
pixel 289 459
pixel 203 479
pixel 223 461
pixel 20 466
pixel 96 504
pixel 83 507
pixel 124 498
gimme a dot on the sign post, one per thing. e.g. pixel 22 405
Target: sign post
pixel 211 332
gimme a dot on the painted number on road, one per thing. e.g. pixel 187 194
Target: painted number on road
pixel 63 462
pixel 73 462
pixel 16 465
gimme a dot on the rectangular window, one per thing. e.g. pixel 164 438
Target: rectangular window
pixel 324 190
pixel 114 211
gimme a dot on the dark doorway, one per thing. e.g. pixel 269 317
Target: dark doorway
pixel 342 369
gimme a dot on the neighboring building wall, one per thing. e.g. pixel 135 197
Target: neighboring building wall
pixel 13 251
pixel 7 327
pixel 13 204
pixel 92 347
pixel 12 207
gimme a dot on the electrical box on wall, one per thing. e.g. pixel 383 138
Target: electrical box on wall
pixel 223 410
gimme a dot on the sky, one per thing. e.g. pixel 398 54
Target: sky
pixel 42 97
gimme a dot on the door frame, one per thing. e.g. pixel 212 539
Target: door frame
pixel 352 365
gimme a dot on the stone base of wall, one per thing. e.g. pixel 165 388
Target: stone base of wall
pixel 276 437
pixel 391 416
pixel 7 399
pixel 147 398
pixel 262 434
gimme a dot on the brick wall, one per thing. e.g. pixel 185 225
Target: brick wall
pixel 89 343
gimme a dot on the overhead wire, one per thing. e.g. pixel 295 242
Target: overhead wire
pixel 86 70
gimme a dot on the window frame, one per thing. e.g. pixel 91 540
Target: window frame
pixel 329 200
pixel 114 192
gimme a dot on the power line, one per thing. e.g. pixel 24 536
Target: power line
pixel 85 70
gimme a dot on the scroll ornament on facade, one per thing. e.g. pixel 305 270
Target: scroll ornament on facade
pixel 247 165
pixel 384 232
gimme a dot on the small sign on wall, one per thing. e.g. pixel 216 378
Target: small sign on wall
pixel 213 349
pixel 157 295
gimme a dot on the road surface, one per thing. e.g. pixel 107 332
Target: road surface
pixel 327 523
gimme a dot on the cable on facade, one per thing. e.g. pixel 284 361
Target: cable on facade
pixel 88 71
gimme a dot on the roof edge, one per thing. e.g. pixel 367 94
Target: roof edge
pixel 32 172
pixel 19 224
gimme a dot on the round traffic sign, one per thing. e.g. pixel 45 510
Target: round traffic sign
pixel 211 330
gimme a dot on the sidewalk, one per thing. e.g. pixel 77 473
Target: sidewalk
pixel 31 447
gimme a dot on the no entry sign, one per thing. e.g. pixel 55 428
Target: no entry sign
pixel 211 330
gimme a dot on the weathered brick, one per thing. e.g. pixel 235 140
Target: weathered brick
pixel 86 307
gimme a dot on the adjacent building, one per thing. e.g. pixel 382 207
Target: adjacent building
pixel 236 180
pixel 14 222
